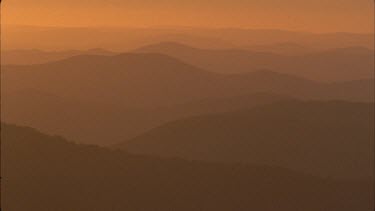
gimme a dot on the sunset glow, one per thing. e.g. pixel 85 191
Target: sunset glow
pixel 315 16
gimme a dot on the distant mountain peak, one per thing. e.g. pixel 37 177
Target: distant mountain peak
pixel 165 46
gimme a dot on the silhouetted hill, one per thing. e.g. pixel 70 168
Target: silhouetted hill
pixel 285 48
pixel 106 123
pixel 331 65
pixel 151 79
pixel 44 173
pixel 131 79
pixel 215 60
pixel 248 37
pixel 322 138
pixel 98 93
pixel 352 63
pixel 34 56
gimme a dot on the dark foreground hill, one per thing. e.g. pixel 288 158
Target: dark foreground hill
pixel 332 139
pixel 44 173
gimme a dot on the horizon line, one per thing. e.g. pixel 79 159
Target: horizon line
pixel 185 27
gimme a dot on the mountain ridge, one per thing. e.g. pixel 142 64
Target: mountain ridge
pixel 118 85
pixel 80 177
pixel 312 131
pixel 330 65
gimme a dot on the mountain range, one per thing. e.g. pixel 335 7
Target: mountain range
pixel 43 173
pixel 34 56
pixel 82 94
pixel 342 64
pixel 329 139
pixel 338 64
pixel 147 80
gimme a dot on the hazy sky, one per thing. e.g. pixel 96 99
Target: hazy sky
pixel 306 15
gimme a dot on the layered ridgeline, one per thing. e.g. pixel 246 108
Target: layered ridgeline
pixel 84 97
pixel 34 56
pixel 43 173
pixel 330 65
pixel 350 63
pixel 107 124
pixel 329 139
pixel 149 80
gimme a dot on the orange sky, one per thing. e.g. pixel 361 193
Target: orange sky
pixel 306 15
